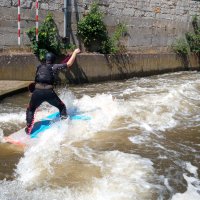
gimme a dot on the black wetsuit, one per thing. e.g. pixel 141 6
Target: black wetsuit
pixel 44 91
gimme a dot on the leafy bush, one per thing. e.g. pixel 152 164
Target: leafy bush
pixel 115 39
pixel 48 38
pixel 93 33
pixel 192 43
pixel 195 24
pixel 193 38
pixel 181 47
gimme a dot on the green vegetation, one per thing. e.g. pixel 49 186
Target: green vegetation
pixel 91 30
pixel 192 43
pixel 193 39
pixel 48 38
pixel 93 33
pixel 115 46
pixel 181 47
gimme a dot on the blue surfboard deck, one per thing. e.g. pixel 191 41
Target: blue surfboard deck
pixel 21 139
pixel 46 122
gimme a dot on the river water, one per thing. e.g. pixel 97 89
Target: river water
pixel 142 142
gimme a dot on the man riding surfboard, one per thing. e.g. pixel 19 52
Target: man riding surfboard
pixel 43 91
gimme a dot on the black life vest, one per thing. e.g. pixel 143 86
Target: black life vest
pixel 44 74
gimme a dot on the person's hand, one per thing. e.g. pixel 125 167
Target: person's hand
pixel 77 51
pixel 73 56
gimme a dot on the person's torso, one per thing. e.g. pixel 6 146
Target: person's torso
pixel 45 74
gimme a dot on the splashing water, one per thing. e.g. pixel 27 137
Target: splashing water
pixel 141 143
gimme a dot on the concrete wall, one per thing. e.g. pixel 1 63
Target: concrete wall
pixel 152 24
pixel 98 67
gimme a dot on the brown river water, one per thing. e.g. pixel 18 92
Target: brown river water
pixel 142 142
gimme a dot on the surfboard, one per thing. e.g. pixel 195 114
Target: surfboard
pixel 20 138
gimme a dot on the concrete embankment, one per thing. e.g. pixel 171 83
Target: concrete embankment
pixel 8 88
pixel 98 67
pixel 90 68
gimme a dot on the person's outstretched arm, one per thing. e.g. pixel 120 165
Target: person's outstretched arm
pixel 72 58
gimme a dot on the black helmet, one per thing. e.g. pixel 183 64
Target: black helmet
pixel 50 57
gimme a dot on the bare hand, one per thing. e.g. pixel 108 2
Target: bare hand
pixel 77 51
pixel 73 56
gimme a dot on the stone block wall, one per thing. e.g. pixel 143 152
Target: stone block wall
pixel 152 25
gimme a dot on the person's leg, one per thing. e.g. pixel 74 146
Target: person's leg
pixel 36 100
pixel 54 100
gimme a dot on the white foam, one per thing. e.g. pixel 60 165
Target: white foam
pixel 102 107
pixel 154 111
pixel 12 117
pixel 192 190
pixel 1 135
pixel 192 169
pixel 38 158
pixel 122 176
pixel 166 182
pixel 150 114
pixel 139 139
